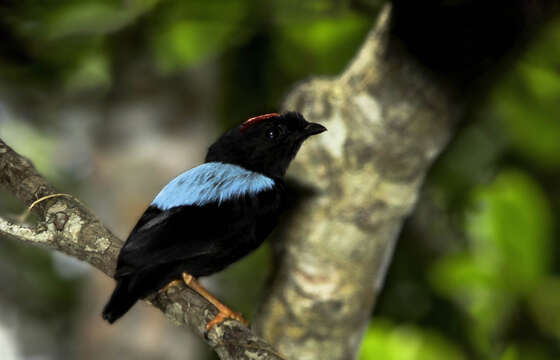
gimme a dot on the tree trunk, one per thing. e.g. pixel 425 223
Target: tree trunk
pixel 387 120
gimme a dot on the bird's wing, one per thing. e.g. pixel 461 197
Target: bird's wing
pixel 209 183
pixel 179 234
pixel 193 215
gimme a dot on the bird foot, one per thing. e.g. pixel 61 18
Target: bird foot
pixel 223 311
pixel 187 278
pixel 170 285
pixel 224 315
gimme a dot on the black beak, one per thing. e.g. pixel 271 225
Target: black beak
pixel 313 129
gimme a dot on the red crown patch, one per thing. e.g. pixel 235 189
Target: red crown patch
pixel 252 121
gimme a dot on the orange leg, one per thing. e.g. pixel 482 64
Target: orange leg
pixel 171 284
pixel 223 311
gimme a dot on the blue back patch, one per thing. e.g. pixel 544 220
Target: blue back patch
pixel 211 182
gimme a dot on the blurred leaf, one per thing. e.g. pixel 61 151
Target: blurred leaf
pixel 510 252
pixel 324 45
pixel 225 11
pixel 92 71
pixel 545 305
pixel 476 288
pixel 542 81
pixel 32 144
pixel 185 43
pixel 512 231
pixel 525 352
pixel 533 351
pixel 533 130
pixel 94 17
pixel 461 276
pixel 528 101
pixel 306 11
pixel 186 33
pixel 469 161
pixel 322 35
pixel 386 341
pixel 511 353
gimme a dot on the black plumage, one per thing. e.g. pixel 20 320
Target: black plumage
pixel 214 214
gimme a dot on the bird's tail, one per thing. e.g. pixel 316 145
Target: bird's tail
pixel 120 302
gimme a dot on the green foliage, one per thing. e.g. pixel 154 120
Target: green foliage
pixel 384 340
pixel 184 34
pixel 91 71
pixel 323 44
pixel 185 43
pixel 509 254
pixel 469 161
pixel 69 42
pixel 90 17
pixel 32 144
pixel 510 354
pixel 491 244
pixel 544 301
pixel 512 228
pixel 529 96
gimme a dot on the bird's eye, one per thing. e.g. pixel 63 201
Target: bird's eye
pixel 272 133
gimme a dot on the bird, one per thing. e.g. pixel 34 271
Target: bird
pixel 212 215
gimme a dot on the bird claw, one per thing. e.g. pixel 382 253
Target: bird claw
pixel 170 285
pixel 224 315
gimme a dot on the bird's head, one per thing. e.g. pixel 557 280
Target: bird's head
pixel 265 144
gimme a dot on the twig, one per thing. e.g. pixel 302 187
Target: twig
pixel 21 218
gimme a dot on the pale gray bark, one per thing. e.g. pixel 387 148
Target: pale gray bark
pixel 387 120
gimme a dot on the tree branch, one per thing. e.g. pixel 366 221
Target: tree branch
pixel 68 226
pixel 387 120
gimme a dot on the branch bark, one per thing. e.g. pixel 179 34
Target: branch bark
pixel 68 226
pixel 387 120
